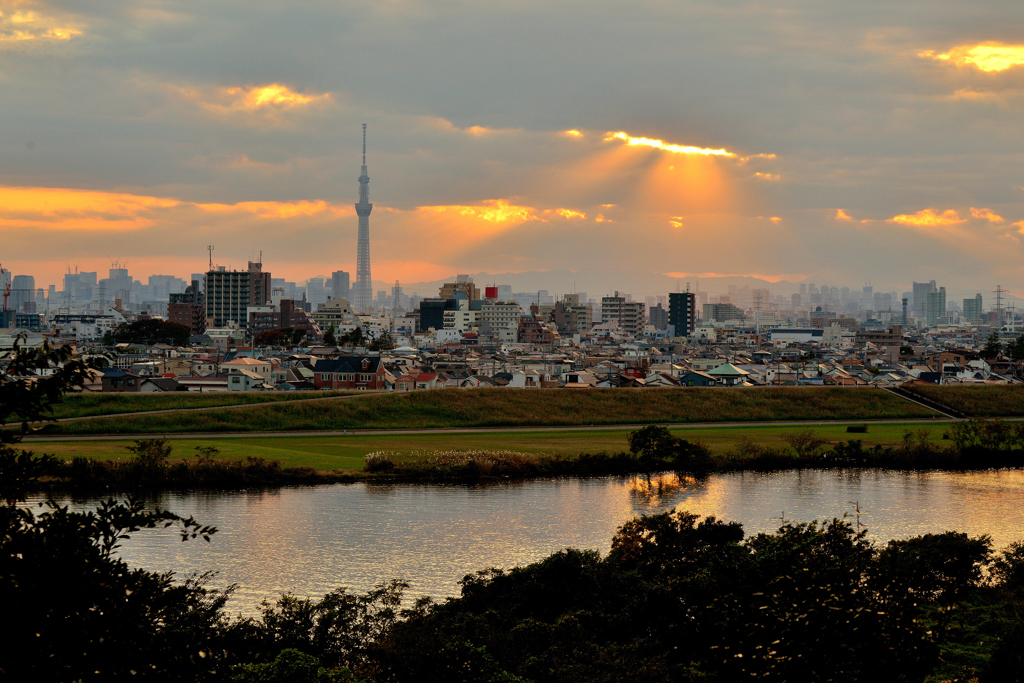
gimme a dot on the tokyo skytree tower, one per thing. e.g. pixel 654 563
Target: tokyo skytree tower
pixel 363 289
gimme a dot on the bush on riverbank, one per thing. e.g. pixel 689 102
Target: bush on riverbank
pixel 151 469
pixel 474 465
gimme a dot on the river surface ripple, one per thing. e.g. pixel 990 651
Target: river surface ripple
pixel 311 540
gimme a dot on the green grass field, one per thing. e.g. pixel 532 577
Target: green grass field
pixel 347 452
pixel 448 408
pixel 1003 400
pixel 88 405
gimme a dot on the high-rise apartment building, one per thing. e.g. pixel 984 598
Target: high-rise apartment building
pixel 188 308
pixel 972 308
pixel 935 306
pixel 340 285
pixel 682 312
pixel 571 316
pixel 463 283
pixel 229 293
pixel 921 292
pixel 628 314
pixel 723 312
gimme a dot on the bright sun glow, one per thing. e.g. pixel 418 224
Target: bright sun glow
pixel 668 147
pixel 991 57
pixel 273 94
pixel 843 216
pixel 492 211
pixel 928 218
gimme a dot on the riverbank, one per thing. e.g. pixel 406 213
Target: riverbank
pixel 248 463
pixel 454 408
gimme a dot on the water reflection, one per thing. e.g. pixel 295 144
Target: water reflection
pixel 311 540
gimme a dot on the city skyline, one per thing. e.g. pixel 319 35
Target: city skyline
pixel 667 140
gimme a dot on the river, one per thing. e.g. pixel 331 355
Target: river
pixel 311 540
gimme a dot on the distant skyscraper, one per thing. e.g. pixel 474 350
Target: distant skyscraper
pixel 363 289
pixel 921 292
pixel 972 308
pixel 339 282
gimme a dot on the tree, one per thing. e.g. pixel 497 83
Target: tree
pixel 805 443
pixel 329 338
pixel 1016 349
pixel 652 441
pixel 280 336
pixel 383 342
pixel 353 338
pixel 82 613
pixel 151 332
pixel 993 347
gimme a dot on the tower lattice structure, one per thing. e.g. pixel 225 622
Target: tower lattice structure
pixel 363 289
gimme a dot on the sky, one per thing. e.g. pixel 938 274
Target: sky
pixel 796 140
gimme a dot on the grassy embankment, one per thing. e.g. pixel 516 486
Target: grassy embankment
pixel 80 405
pixel 244 462
pixel 452 408
pixel 346 453
pixel 990 401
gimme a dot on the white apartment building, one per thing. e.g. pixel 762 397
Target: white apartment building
pixel 462 320
pixel 501 319
pixel 630 315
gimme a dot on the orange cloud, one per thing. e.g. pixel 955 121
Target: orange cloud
pixel 572 133
pixel 842 215
pixel 65 209
pixel 571 214
pixel 987 214
pixel 601 219
pixel 266 100
pixel 68 209
pixel 773 219
pixel 768 176
pixel 990 57
pixel 21 26
pixel 666 146
pixel 928 218
pixel 278 209
pixel 1019 225
pixel 676 222
pixel 491 211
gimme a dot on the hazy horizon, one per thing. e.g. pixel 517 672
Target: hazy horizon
pixel 836 144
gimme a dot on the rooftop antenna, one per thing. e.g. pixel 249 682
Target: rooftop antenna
pixel 209 248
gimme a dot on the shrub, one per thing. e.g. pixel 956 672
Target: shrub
pixel 379 461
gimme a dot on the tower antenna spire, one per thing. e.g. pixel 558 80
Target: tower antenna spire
pixel 363 289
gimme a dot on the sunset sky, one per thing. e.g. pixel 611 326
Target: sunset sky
pixel 833 142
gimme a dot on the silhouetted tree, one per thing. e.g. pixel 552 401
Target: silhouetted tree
pixel 151 332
